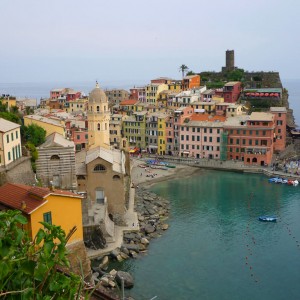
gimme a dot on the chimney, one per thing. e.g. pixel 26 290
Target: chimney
pixel 23 205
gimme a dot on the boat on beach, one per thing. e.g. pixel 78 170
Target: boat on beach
pixel 267 218
pixel 284 181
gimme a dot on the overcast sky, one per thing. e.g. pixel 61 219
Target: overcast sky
pixel 136 40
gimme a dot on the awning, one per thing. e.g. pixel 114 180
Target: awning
pixel 186 152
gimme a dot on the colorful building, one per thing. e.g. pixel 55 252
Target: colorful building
pixel 250 138
pixel 190 82
pixel 153 90
pixel 10 142
pixel 51 125
pixel 134 129
pixel 231 91
pixel 44 205
pixel 200 136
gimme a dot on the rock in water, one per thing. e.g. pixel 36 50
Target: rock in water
pixel 104 263
pixel 128 280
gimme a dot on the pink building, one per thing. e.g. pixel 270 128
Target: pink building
pixel 173 125
pixel 231 91
pixel 200 136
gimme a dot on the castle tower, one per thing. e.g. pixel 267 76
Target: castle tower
pixel 230 60
pixel 98 119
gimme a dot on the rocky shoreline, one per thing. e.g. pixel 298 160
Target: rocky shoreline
pixel 153 212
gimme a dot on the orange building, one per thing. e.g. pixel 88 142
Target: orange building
pixel 61 208
pixel 191 81
pixel 253 139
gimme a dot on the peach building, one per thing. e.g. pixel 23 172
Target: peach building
pixel 200 136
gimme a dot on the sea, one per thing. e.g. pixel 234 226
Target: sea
pixel 215 247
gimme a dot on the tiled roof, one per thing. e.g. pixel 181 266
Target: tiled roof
pixel 14 195
pixel 207 117
pixel 128 102
pixel 7 125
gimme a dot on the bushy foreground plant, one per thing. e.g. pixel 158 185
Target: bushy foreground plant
pixel 30 269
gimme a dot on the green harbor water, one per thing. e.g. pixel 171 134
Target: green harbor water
pixel 216 248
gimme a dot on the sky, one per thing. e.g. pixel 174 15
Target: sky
pixel 138 40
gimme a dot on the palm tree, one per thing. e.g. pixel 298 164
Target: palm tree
pixel 182 69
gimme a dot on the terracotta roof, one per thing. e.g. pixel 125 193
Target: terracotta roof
pixel 207 117
pixel 128 102
pixel 14 195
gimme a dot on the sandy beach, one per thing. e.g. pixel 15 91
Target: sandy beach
pixel 146 177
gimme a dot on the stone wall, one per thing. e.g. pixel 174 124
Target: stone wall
pixel 79 261
pixel 19 171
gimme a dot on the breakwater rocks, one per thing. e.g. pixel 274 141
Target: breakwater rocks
pixel 152 212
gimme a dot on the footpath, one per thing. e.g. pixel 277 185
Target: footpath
pixel 131 221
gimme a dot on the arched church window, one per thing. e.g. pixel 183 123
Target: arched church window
pixel 99 168
pixel 98 108
pixel 54 157
pixel 116 177
pixel 98 126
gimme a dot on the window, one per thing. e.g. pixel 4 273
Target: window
pixel 205 130
pixel 99 196
pixel 98 108
pixel 218 139
pixel 7 138
pixel 244 142
pixel 210 130
pixel 9 158
pixel 205 139
pixel 257 132
pixel 78 137
pixel 116 177
pixel 99 168
pixel 210 139
pixel 237 141
pixel 230 141
pixel 12 136
pixel 54 157
pixel 98 126
pixel 47 217
pixel 17 134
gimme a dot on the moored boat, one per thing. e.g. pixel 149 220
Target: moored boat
pixel 267 218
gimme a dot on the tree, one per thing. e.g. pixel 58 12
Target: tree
pixel 10 117
pixel 182 69
pixel 190 73
pixel 34 134
pixel 29 269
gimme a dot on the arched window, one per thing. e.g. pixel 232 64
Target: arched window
pixel 99 168
pixel 98 126
pixel 248 160
pixel 54 157
pixel 98 108
pixel 254 160
pixel 116 177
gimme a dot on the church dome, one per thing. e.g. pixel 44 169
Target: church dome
pixel 97 95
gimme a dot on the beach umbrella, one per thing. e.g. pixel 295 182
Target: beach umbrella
pixel 266 94
pixel 261 94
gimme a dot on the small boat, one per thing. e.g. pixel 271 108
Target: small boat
pixel 274 179
pixel 296 182
pixel 267 218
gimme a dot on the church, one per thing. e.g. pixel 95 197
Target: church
pixel 102 171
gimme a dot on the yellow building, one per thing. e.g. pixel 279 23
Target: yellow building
pixel 161 142
pixel 57 207
pixel 76 105
pixel 50 125
pixel 10 142
pixel 9 101
pixel 153 90
pixel 175 86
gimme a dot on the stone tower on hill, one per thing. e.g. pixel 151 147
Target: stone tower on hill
pixel 98 119
pixel 229 61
